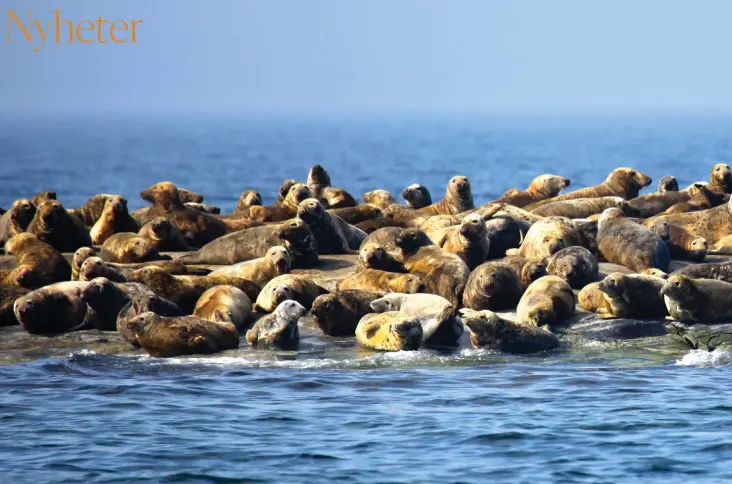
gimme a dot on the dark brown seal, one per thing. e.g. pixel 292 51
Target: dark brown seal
pixel 163 235
pixel 53 309
pixel 333 234
pixel 338 313
pixel 652 204
pixel 320 186
pixel 8 295
pixel 547 301
pixel 493 285
pixel 16 219
pixel 42 197
pixel 55 226
pixel 681 244
pixel 138 305
pixel 720 179
pixel 576 265
pixel 632 296
pixel 37 263
pixel 668 183
pixel 417 196
pixel 106 299
pixel 92 209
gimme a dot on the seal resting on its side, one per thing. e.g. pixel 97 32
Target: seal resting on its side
pixel 182 335
pixel 379 198
pixel 279 329
pixel 389 331
pixel 624 242
pixel 276 262
pixel 698 300
pixel 285 287
pixel 37 263
pixel 712 224
pixel 488 330
pixel 382 281
pixel 128 247
pixel 632 296
pixel 94 267
pixel 681 244
pixel 547 301
pixel 16 219
pixel 224 303
pixel 338 313
pixel 138 305
pixel 542 187
pixel 584 207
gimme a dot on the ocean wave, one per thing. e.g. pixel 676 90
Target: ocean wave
pixel 706 359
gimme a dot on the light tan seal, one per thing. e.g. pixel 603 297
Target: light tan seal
pixel 542 187
pixel 621 182
pixel 278 330
pixel 712 224
pixel 276 262
pixel 247 199
pixel 94 267
pixel 288 286
pixel 702 198
pixel 358 214
pixel 82 254
pixel 489 330
pixel 547 301
pixel 585 207
pixel 458 198
pixel 697 300
pixel 114 219
pixel 469 240
pixel 224 304
pixel 593 299
pixel 128 247
pixel 37 263
pixel 632 296
pixel 382 281
pixel 622 241
pixel 379 198
pixel 168 337
pixel 389 331
pixel 681 244
pixel 547 237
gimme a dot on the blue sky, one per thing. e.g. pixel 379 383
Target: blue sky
pixel 343 56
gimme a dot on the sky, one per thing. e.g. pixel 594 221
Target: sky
pixel 346 56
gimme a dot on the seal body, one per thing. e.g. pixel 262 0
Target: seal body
pixel 542 187
pixel 681 244
pixel 546 238
pixel 8 295
pixel 527 270
pixel 488 330
pixel 163 235
pixel 621 241
pixel 183 335
pixel 106 299
pixel 338 313
pixel 55 226
pixel 576 265
pixel 279 329
pixel 92 209
pixel 320 186
pixel 56 308
pixel 417 196
pixel 334 235
pixel 458 198
pixel 248 198
pixel 126 247
pixel 114 219
pixel 357 214
pixel 697 300
pixel 547 301
pixel 632 296
pixel 288 286
pixel 712 224
pixel 469 240
pixel 389 331
pixel 379 198
pixel 652 204
pixel 16 219
pixel 37 263
pixel 493 285
pixel 593 299
pixel 276 262
pixel 382 281
pixel 284 210
pixel 141 304
pixel 584 207
pixel 224 303
pixel 94 267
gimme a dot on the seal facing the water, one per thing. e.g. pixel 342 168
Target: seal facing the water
pixel 697 300
pixel 279 329
pixel 489 330
pixel 389 331
pixel 547 301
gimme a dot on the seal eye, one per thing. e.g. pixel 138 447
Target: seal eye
pixel 677 284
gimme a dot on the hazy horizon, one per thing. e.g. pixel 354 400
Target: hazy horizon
pixel 326 57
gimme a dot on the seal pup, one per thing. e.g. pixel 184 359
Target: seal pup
pixel 56 308
pixel 389 331
pixel 128 247
pixel 224 303
pixel 94 267
pixel 542 187
pixel 288 286
pixel 668 183
pixel 621 241
pixel 443 273
pixel 493 285
pixel 681 244
pixel 186 290
pixel 276 262
pixel 254 243
pixel 164 235
pixel 338 313
pixel 712 224
pixel 547 301
pixel 621 182
pixel 37 263
pixel 281 211
pixel 417 196
pixel 16 219
pixel 197 226
pixel 379 198
pixel 547 237
pixel 632 296
pixel 576 265
pixel 167 337
pixel 278 329
pixel 440 325
pixel 469 240
pixel 376 280
pixel 489 330
pixel 697 300
pixel 334 235
pixel 55 226
pixel 320 186
pixel 458 198
pixel 138 305
pixel 114 219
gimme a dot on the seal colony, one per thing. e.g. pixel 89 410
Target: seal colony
pixel 180 277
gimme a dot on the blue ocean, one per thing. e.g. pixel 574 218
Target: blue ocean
pixel 647 410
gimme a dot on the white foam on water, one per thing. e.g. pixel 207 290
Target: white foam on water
pixel 706 359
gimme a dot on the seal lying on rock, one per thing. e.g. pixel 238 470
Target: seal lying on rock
pixel 576 265
pixel 593 299
pixel 458 198
pixel 56 308
pixel 183 335
pixel 276 262
pixel 488 330
pixel 379 198
pixel 357 214
pixel 380 251
pixel 281 211
pixel 417 196
pixel 139 305
pixel 334 235
pixel 527 270
pixel 288 286
pixel 37 264
pixel 547 301
pixel 585 207
pixel 542 187
pixel 338 313
pixel 469 240
pixel 389 331
pixel 16 219
pixel 546 238
pixel 224 304
pixel 114 219
pixel 94 267
pixel 106 299
pixel 712 224
pixel 624 242
pixel 128 247
pixel 320 186
pixel 8 296
pixel 55 226
pixel 440 326
pixel 493 285
pixel 163 235
pixel 279 329
pixel 632 296
pixel 253 243
pixel 681 244
pixel 654 203
pixel 621 182
pixel 698 300
pixel 382 281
